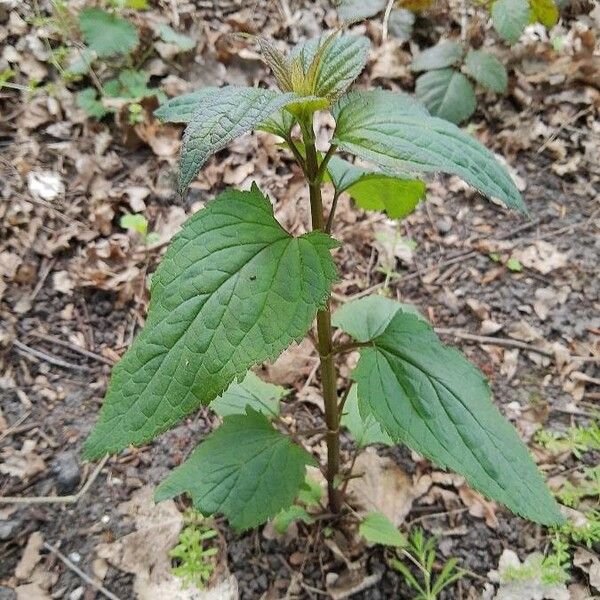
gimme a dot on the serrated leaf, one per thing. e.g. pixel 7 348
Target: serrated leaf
pixel 396 133
pixel 356 10
pixel 279 123
pixel 246 470
pixel 221 117
pixel 233 290
pixel 487 70
pixel 181 108
pixel 431 398
pixel 365 429
pixel 371 190
pixel 107 34
pixel 445 54
pixel 170 36
pixel 376 528
pixel 287 516
pixel 341 62
pixel 510 17
pixel 252 392
pixel 447 94
pixel 545 12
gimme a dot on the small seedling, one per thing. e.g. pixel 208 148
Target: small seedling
pixel 576 440
pixel 194 555
pixel 235 289
pixel 422 553
pixel 139 224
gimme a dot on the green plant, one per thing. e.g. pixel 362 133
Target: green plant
pixel 193 554
pixel 422 553
pixel 235 289
pixel 510 17
pixel 139 224
pixel 576 440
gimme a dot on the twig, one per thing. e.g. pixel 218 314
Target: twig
pixel 74 348
pixel 71 499
pixel 14 426
pixel 386 19
pixel 23 349
pixel 95 584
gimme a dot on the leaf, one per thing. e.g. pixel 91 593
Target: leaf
pixel 432 399
pixel 376 528
pixel 513 264
pixel 487 70
pixel 445 54
pixel 447 94
pixel 279 123
pixel 87 100
pixel 510 17
pixel 234 289
pixel 401 23
pixel 396 133
pixel 170 36
pixel 545 11
pixel 134 222
pixel 220 118
pixel 253 392
pixel 246 470
pixel 356 10
pixel 376 191
pixel 181 108
pixel 107 34
pixel 342 60
pixel 287 516
pixel 365 429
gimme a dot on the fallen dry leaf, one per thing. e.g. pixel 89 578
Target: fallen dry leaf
pixel 31 556
pixel 541 256
pixel 23 463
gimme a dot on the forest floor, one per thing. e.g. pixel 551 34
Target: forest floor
pixel 519 296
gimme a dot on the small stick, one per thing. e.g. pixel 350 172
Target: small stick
pixel 74 348
pixel 14 426
pixel 23 349
pixel 95 584
pixel 72 499
pixel 386 20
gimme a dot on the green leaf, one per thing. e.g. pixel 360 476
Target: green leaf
pixel 431 398
pixel 170 36
pixel 106 33
pixel 514 265
pixel 356 10
pixel 445 54
pixel 246 470
pixel 279 123
pixel 510 17
pixel 253 392
pixel 487 70
pixel 376 528
pixel 545 11
pixel 342 61
pixel 87 100
pixel 447 94
pixel 134 222
pixel 181 108
pixel 287 516
pixel 365 429
pixel 370 190
pixel 220 118
pixel 396 133
pixel 401 23
pixel 233 290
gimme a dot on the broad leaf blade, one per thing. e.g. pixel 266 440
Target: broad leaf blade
pixel 510 17
pixel 447 94
pixel 432 399
pixel 181 108
pixel 395 132
pixel 364 428
pixel 246 470
pixel 545 11
pixel 376 528
pixel 487 70
pixel 356 10
pixel 107 34
pixel 252 392
pixel 445 54
pixel 371 190
pixel 220 118
pixel 233 290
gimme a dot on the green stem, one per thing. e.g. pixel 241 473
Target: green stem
pixel 324 334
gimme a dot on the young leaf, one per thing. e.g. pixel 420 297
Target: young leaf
pixel 376 191
pixel 341 62
pixel 170 36
pixel 376 528
pixel 106 33
pixel 234 289
pixel 356 10
pixel 221 117
pixel 287 516
pixel 447 94
pixel 87 100
pixel 253 392
pixel 431 398
pixel 486 70
pixel 445 54
pixel 246 470
pixel 545 11
pixel 510 17
pixel 134 222
pixel 365 429
pixel 395 132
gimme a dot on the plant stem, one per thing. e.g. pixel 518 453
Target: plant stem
pixel 324 336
